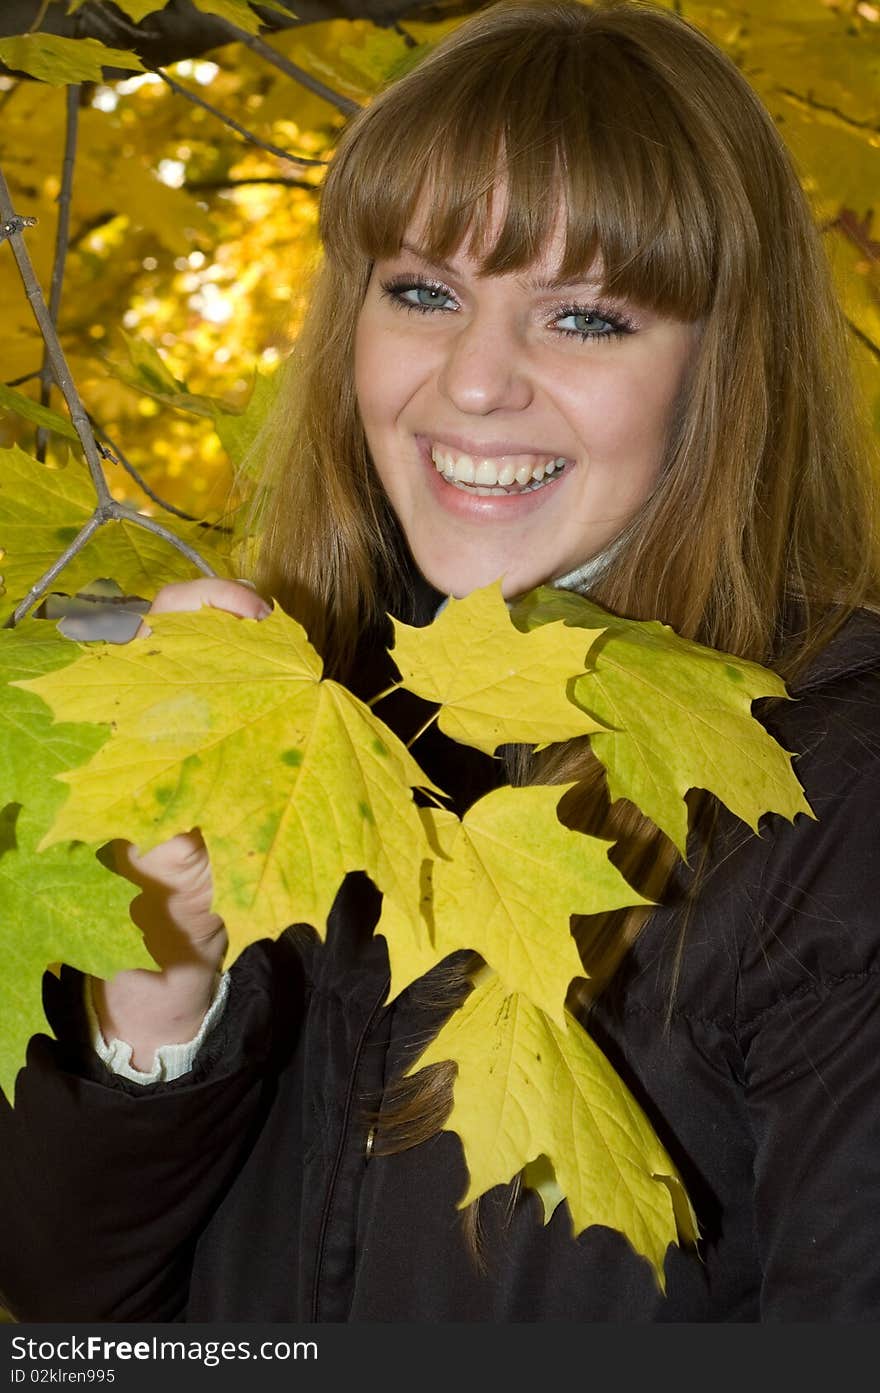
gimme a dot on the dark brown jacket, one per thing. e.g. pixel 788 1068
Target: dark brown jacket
pixel 245 1192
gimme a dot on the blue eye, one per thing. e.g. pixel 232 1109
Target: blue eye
pixel 418 295
pixel 590 325
pixel 426 296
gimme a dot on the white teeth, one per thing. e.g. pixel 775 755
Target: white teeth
pixel 489 475
pixel 485 472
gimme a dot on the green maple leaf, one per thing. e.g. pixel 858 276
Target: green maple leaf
pixel 147 372
pixel 12 402
pixel 60 905
pixel 505 884
pixel 495 683
pixel 676 716
pixel 225 724
pixel 237 428
pixel 41 511
pixel 529 1094
pixel 59 61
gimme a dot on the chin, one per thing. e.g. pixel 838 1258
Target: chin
pixel 459 585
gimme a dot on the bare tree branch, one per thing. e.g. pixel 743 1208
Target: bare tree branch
pixel 50 338
pixel 210 185
pixel 807 100
pixel 233 125
pixel 39 587
pixel 284 65
pixel 62 237
pixel 25 377
pixel 110 450
pixel 862 337
pixel 107 510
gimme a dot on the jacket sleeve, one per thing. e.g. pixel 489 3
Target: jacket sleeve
pixel 810 1031
pixel 105 1184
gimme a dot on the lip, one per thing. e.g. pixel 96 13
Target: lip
pixel 483 507
pixel 486 449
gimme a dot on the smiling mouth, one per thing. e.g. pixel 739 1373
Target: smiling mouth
pixel 497 476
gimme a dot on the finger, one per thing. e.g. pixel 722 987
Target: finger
pixel 181 855
pixel 236 597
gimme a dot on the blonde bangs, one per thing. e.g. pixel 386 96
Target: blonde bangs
pixel 579 128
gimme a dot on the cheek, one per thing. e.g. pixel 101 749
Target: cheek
pixel 381 379
pixel 634 418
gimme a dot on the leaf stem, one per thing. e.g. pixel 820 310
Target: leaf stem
pixel 39 16
pixel 420 732
pixel 374 701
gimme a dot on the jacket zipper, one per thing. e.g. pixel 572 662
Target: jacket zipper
pixel 340 1150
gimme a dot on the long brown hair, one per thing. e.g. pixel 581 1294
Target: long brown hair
pixel 667 166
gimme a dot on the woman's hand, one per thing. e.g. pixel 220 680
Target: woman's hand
pixel 181 931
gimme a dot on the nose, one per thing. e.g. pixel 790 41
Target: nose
pixel 485 368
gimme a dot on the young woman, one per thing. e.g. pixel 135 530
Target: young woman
pixel 574 325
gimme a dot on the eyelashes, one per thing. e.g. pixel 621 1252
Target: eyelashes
pixel 397 288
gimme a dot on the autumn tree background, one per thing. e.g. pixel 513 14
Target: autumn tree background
pixel 162 167
pixel 187 235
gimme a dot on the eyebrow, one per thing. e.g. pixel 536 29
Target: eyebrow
pixel 531 282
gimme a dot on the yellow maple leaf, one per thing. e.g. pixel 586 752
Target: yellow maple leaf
pixel 505 885
pixel 225 724
pixel 494 683
pixel 531 1095
pixel 676 715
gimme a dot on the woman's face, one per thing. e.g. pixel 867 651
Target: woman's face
pixel 516 424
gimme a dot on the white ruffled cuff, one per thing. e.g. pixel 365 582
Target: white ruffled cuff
pixel 170 1061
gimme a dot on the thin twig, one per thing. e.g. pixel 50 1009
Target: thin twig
pixel 39 587
pixel 62 237
pixel 121 512
pixel 110 450
pixel 284 65
pixel 233 125
pixel 39 17
pixel 50 338
pixel 863 338
pixel 107 512
pixel 107 509
pixel 20 381
pixel 808 101
pixel 404 34
pixel 208 185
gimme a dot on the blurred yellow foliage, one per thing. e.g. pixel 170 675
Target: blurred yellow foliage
pixel 202 244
